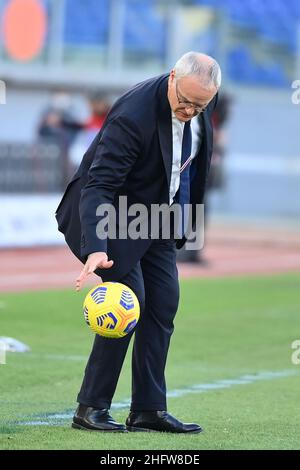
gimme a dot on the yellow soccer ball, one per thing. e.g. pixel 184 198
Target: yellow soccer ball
pixel 111 309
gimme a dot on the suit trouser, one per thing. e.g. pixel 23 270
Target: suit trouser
pixel 155 282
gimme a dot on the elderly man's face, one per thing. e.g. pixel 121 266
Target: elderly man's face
pixel 187 97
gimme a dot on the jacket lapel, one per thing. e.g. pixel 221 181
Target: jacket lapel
pixel 165 128
pixel 207 138
pixel 201 163
pixel 206 135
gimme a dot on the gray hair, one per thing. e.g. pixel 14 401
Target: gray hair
pixel 201 65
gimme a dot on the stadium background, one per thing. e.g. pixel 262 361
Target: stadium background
pixel 55 54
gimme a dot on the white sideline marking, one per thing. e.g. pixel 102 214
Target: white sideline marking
pixel 58 357
pixel 52 419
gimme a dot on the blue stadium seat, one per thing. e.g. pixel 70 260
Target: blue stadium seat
pixel 86 22
pixel 144 29
pixel 273 21
pixel 243 68
pixel 144 33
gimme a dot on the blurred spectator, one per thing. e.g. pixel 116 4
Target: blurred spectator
pixel 57 121
pixel 99 105
pixel 58 126
pixel 99 108
pixel 216 178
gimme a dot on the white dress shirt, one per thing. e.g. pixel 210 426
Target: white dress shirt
pixel 177 133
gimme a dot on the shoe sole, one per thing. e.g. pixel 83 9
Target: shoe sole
pixel 83 428
pixel 133 429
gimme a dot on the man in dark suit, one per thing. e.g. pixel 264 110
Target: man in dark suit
pixel 143 152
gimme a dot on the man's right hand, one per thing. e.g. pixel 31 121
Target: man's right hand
pixel 94 261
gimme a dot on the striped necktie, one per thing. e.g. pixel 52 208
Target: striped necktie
pixel 183 194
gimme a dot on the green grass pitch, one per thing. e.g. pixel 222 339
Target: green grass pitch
pixel 224 329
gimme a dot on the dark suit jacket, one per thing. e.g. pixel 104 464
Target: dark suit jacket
pixel 131 156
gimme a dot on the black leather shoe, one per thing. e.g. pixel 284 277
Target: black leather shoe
pixel 93 419
pixel 139 421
